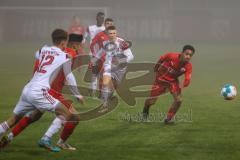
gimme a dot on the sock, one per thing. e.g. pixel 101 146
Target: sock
pixel 54 128
pixel 46 138
pixel 105 94
pixel 10 136
pixel 3 128
pixel 94 82
pixel 21 125
pixel 171 113
pixel 67 130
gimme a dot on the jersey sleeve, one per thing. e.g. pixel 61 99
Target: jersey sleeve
pixel 70 79
pixel 161 59
pixel 36 63
pixel 128 54
pixel 188 74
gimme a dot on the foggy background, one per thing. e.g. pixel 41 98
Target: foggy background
pixel 165 21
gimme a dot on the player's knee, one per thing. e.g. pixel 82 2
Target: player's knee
pixel 178 100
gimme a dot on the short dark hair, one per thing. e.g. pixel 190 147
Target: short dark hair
pixel 75 37
pixel 100 14
pixel 108 20
pixel 111 28
pixel 188 47
pixel 59 35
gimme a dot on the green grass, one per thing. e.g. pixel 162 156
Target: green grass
pixel 212 134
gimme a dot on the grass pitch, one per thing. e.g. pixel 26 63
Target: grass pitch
pixel 210 132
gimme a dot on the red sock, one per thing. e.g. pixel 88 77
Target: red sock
pixel 171 113
pixel 22 124
pixel 67 130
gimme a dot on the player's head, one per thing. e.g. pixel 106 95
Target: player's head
pixel 75 41
pixel 112 33
pixel 187 53
pixel 76 20
pixel 60 38
pixel 100 18
pixel 108 22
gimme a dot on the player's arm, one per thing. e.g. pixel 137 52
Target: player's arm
pixel 188 74
pixel 71 81
pixel 128 54
pixel 36 63
pixel 161 59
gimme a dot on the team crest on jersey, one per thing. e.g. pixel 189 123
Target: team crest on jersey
pixel 182 70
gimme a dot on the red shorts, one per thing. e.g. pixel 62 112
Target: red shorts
pixel 59 96
pixel 160 87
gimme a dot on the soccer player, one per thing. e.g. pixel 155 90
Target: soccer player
pixel 96 64
pixel 37 95
pixel 74 43
pixel 93 30
pixel 115 64
pixel 168 68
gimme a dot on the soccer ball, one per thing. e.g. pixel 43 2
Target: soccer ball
pixel 229 92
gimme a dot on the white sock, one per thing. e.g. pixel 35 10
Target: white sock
pixel 60 141
pixel 54 128
pixel 105 94
pixel 10 136
pixel 94 82
pixel 3 128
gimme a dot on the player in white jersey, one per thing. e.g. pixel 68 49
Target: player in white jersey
pixel 115 65
pixel 36 95
pixel 93 30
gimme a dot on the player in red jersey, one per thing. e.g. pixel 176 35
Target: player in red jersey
pixel 56 89
pixel 96 63
pixel 168 68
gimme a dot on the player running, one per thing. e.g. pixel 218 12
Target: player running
pixel 37 95
pixel 96 64
pixel 115 64
pixel 168 68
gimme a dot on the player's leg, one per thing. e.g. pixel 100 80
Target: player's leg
pixel 94 78
pixel 58 123
pixel 9 123
pixel 20 126
pixel 24 123
pixel 156 91
pixel 177 101
pixel 20 109
pixel 70 118
pixel 107 88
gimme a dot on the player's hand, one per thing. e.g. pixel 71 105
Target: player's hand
pixel 126 44
pixel 80 99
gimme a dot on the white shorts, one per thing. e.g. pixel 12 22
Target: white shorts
pixel 115 73
pixel 35 97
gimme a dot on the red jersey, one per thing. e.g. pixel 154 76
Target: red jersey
pixel 97 42
pixel 169 68
pixel 76 29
